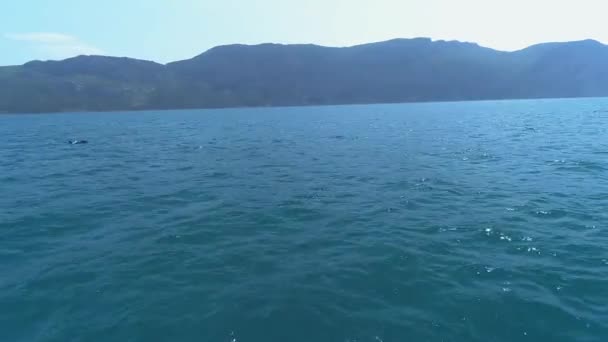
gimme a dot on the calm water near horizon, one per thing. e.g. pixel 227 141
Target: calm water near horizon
pixel 470 221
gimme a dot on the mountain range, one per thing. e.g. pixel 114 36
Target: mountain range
pixel 400 70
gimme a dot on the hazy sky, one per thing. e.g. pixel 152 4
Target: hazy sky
pixel 167 30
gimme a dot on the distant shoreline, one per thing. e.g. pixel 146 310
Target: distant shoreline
pixel 300 106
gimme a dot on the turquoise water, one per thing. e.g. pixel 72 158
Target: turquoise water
pixel 482 221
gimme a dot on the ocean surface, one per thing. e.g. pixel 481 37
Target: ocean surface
pixel 479 221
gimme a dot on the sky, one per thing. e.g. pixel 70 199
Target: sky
pixel 169 30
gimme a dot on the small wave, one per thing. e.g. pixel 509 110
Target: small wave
pixel 580 166
pixel 550 213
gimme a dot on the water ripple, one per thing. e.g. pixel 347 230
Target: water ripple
pixel 429 222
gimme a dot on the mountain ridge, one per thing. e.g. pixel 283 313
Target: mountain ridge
pixel 237 75
pixel 582 41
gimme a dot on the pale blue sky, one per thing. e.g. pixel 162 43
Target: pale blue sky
pixel 167 30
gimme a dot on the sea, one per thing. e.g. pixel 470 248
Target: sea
pixel 464 221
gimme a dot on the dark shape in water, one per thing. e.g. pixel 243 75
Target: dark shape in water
pixel 77 142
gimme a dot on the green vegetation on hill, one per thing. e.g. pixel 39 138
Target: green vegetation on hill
pixel 401 70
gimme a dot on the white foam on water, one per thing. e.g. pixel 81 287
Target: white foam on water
pixel 505 237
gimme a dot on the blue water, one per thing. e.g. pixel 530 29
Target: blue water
pixel 482 221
